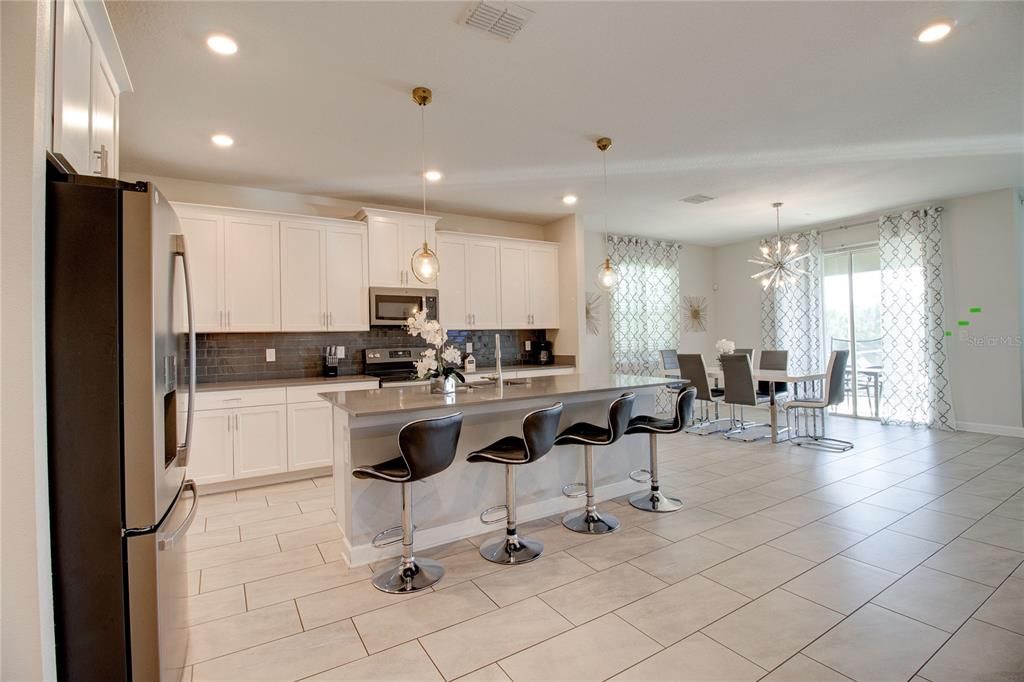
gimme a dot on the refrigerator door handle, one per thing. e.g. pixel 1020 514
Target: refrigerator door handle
pixel 168 541
pixel 184 449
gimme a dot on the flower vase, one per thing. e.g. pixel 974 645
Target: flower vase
pixel 442 385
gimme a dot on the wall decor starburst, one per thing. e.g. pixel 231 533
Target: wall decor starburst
pixel 696 313
pixel 779 261
pixel 593 313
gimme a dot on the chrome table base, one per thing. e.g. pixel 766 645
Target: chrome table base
pixel 590 522
pixel 656 501
pixel 511 550
pixel 408 576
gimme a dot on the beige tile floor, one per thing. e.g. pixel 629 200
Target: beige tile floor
pixel 898 560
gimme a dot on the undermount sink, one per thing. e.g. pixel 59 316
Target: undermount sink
pixel 492 382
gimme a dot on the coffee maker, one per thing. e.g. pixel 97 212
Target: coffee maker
pixel 544 355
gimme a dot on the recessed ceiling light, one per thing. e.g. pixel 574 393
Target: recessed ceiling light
pixel 570 199
pixel 222 44
pixel 433 175
pixel 936 31
pixel 222 140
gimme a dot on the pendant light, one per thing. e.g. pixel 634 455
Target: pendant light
pixel 424 262
pixel 607 276
pixel 779 262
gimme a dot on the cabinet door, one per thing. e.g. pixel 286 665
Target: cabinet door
pixel 348 300
pixel 515 289
pixel 204 237
pixel 310 440
pixel 303 305
pixel 453 254
pixel 261 442
pixel 73 87
pixel 211 459
pixel 413 235
pixel 252 271
pixel 543 271
pixel 484 278
pixel 385 237
pixel 104 122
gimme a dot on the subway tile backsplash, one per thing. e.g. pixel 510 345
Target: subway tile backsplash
pixel 242 357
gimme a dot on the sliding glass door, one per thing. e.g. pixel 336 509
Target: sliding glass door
pixel 853 321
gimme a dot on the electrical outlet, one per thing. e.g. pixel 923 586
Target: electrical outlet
pixel 341 352
pixel 469 346
pixel 528 346
pixel 271 355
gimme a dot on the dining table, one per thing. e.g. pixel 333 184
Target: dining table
pixel 773 377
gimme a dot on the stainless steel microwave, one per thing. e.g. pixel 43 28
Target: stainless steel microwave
pixel 391 307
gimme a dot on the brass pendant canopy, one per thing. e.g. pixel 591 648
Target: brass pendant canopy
pixel 424 263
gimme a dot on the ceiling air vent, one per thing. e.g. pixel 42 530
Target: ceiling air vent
pixel 502 19
pixel 697 199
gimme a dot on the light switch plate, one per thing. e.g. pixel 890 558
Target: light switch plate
pixel 271 355
pixel 469 346
pixel 528 345
pixel 341 352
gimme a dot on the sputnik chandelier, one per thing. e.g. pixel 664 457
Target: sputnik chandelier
pixel 779 261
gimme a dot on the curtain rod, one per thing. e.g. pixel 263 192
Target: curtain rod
pixel 937 209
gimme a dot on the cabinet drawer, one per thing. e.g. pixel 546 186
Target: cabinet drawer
pixel 309 394
pixel 218 400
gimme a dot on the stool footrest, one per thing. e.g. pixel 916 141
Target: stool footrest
pixel 641 475
pixel 574 489
pixel 388 536
pixel 491 510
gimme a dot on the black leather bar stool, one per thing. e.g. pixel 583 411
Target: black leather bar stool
pixel 588 435
pixel 426 447
pixel 539 430
pixel 655 500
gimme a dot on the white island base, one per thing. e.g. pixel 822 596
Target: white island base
pixel 447 507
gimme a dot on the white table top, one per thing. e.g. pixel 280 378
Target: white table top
pixel 777 375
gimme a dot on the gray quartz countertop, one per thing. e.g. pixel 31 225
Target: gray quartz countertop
pixel 281 383
pixel 383 401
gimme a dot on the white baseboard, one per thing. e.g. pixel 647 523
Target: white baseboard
pixel 259 481
pixel 357 555
pixel 993 429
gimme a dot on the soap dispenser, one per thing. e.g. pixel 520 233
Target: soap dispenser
pixel 470 363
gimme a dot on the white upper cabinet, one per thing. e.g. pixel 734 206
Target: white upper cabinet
pixel 484 284
pixel 347 284
pixel 204 239
pixel 515 288
pixel 393 237
pixel 543 279
pixel 252 267
pixel 452 281
pixel 88 77
pixel 303 280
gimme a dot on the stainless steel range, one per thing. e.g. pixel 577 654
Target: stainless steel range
pixel 394 366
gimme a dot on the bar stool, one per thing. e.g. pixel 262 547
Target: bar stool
pixel 539 430
pixel 655 500
pixel 588 435
pixel 426 447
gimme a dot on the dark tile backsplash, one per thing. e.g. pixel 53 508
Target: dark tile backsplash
pixel 242 357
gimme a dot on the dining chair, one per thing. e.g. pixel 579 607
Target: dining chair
pixel 741 391
pixel 777 360
pixel 832 393
pixel 691 368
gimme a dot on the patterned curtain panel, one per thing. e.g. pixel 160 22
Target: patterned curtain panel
pixel 644 307
pixel 791 315
pixel 916 389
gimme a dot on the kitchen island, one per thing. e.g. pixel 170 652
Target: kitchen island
pixel 447 506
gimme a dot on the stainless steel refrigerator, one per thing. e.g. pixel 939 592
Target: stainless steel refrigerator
pixel 120 368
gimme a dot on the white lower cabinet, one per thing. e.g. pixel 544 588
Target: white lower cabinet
pixel 261 441
pixel 310 436
pixel 212 456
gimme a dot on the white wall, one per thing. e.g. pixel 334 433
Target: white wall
pixel 981 247
pixel 595 352
pixel 569 235
pixel 26 595
pixel 193 191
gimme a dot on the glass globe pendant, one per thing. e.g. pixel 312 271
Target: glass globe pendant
pixel 424 263
pixel 607 276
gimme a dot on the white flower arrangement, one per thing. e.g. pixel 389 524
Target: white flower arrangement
pixel 725 346
pixel 431 364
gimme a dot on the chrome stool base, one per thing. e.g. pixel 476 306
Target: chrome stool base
pixel 656 501
pixel 591 523
pixel 511 550
pixel 404 579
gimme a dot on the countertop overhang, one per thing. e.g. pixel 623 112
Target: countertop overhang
pixel 384 401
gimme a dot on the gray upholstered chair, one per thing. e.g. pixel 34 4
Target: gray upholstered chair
pixel 691 368
pixel 740 391
pixel 773 359
pixel 832 393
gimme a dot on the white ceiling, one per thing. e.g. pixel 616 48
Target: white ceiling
pixel 832 108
